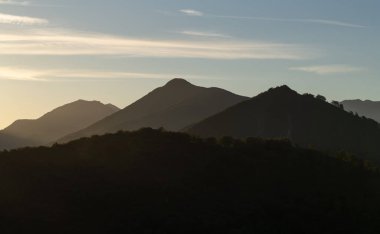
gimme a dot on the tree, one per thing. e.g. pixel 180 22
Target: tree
pixel 227 141
pixel 337 104
pixel 308 95
pixel 320 97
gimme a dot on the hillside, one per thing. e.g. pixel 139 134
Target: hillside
pixel 55 124
pixel 173 107
pixel 159 182
pixel 366 108
pixel 12 142
pixel 305 120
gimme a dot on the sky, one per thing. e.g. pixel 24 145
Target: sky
pixel 53 52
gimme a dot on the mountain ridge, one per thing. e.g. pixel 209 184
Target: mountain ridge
pixel 368 108
pixel 306 120
pixel 173 106
pixel 56 123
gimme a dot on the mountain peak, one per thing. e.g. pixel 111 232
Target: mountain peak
pixel 113 107
pixel 82 101
pixel 57 123
pixel 281 90
pixel 178 82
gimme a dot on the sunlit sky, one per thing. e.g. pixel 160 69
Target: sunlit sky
pixel 57 51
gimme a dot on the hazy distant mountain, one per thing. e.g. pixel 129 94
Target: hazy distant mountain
pixel 55 124
pixel 304 119
pixel 11 142
pixel 173 107
pixel 366 108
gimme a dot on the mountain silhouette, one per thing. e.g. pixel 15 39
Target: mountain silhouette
pixel 366 108
pixel 173 107
pixel 305 120
pixel 55 124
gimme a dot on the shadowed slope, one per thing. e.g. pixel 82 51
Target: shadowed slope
pixel 173 107
pixel 307 121
pixel 57 123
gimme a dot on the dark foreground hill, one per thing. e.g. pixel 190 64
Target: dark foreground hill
pixel 57 123
pixel 304 119
pixel 159 182
pixel 366 108
pixel 173 107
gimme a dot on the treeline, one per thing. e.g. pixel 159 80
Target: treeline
pixel 152 181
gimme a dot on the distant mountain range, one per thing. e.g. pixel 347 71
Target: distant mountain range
pixel 233 165
pixel 55 124
pixel 174 106
pixel 305 120
pixel 366 108
pixel 280 112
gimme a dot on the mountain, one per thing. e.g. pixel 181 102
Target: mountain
pixel 55 124
pixel 173 107
pixel 152 181
pixel 12 142
pixel 366 108
pixel 305 120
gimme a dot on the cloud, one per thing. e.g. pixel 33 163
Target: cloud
pixel 21 20
pixel 310 21
pixel 71 43
pixel 328 69
pixel 329 22
pixel 8 73
pixel 44 75
pixel 14 3
pixel 204 34
pixel 191 12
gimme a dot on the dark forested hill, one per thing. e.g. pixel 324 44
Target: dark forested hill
pixel 304 119
pixel 55 124
pixel 366 108
pixel 159 182
pixel 173 107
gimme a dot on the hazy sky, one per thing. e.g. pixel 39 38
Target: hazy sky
pixel 56 51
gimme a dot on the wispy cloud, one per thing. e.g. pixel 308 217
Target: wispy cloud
pixel 14 3
pixel 21 20
pixel 62 42
pixel 329 22
pixel 204 34
pixel 45 75
pixel 328 69
pixel 8 73
pixel 191 12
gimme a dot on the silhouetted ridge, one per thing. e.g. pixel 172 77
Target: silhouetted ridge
pixel 55 124
pixel 113 107
pixel 367 108
pixel 178 82
pixel 173 106
pixel 283 90
pixel 306 120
